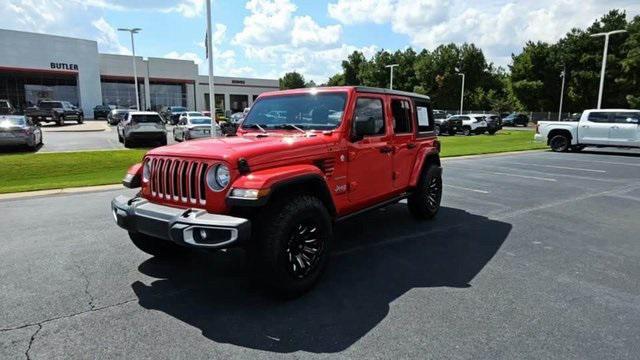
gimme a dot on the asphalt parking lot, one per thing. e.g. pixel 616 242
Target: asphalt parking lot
pixel 533 255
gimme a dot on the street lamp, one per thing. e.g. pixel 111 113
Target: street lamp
pixel 562 75
pixel 604 59
pixel 462 91
pixel 391 67
pixel 133 52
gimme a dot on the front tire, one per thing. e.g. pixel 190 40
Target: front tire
pixel 424 202
pixel 559 143
pixel 292 244
pixel 156 247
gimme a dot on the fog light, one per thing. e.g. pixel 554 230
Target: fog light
pixel 203 234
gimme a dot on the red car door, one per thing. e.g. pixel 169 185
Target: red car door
pixel 370 168
pixel 404 140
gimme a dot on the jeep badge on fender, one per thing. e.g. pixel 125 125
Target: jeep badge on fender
pixel 301 161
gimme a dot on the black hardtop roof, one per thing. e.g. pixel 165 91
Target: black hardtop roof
pixel 391 92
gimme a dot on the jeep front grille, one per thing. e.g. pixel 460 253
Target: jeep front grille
pixel 182 181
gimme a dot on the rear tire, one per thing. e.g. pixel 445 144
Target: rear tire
pixel 157 247
pixel 559 143
pixel 292 244
pixel 424 202
pixel 466 131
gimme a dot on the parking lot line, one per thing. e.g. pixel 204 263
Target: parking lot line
pixel 559 167
pixel 524 176
pixel 465 188
pixel 606 162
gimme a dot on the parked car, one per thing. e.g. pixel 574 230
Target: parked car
pixel 603 127
pixel 195 127
pixel 278 187
pixel 101 111
pixel 446 124
pixel 516 119
pixel 494 123
pixel 139 126
pixel 19 130
pixel 6 108
pixel 171 114
pixel 471 123
pixel 116 115
pixel 189 114
pixel 55 111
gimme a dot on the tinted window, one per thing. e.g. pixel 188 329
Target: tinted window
pixel 368 110
pixel 50 105
pixel 201 121
pixel 146 118
pixel 627 117
pixel 320 111
pixel 423 115
pixel 599 117
pixel 401 110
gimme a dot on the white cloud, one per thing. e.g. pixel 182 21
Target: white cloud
pixel 187 8
pixel 308 32
pixel 361 11
pixel 270 22
pixel 108 38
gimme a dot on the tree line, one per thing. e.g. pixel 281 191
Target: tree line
pixel 531 83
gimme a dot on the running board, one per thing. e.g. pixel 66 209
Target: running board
pixel 374 207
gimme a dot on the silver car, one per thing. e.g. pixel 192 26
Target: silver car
pixel 139 126
pixel 19 130
pixel 194 127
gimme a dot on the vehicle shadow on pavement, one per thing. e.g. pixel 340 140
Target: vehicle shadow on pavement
pixel 377 258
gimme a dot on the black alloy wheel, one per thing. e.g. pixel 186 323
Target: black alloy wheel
pixel 304 248
pixel 559 143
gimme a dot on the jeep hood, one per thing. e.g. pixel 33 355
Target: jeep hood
pixel 256 150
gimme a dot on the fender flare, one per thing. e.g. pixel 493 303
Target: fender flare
pixel 426 155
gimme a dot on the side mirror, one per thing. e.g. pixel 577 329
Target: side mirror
pixel 362 128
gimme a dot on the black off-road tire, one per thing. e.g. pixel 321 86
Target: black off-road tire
pixel 289 228
pixel 559 143
pixel 157 247
pixel 424 201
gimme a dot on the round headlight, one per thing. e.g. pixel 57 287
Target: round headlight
pixel 146 170
pixel 218 177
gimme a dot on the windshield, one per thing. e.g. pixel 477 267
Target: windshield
pixel 307 111
pixel 146 119
pixel 50 105
pixel 12 121
pixel 200 121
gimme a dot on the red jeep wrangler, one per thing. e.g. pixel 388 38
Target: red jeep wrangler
pixel 301 161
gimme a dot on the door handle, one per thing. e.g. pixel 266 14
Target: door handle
pixel 386 149
pixel 411 145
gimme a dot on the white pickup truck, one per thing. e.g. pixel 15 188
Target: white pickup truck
pixel 603 127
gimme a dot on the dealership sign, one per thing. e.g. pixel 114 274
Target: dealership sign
pixel 64 66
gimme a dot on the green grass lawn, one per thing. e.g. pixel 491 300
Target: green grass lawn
pixel 502 141
pixel 27 172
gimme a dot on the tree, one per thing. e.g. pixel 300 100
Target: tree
pixel 292 80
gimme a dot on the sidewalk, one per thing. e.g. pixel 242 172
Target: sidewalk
pixel 87 126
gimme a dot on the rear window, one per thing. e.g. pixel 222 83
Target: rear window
pixel 627 117
pixel 146 119
pixel 201 121
pixel 50 105
pixel 178 109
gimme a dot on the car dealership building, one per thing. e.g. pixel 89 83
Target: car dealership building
pixel 39 66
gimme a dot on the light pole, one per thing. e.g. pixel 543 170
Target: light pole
pixel 209 45
pixel 391 67
pixel 461 92
pixel 133 56
pixel 562 75
pixel 604 59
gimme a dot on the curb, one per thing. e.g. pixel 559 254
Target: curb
pixel 65 191
pixel 463 157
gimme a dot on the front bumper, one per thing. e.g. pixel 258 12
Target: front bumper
pixel 182 226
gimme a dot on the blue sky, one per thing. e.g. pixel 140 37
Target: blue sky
pixel 265 38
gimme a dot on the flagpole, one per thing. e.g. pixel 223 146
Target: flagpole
pixel 209 46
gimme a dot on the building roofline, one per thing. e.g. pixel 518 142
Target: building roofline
pixel 51 35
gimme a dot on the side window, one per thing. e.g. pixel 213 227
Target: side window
pixel 424 115
pixel 401 110
pixel 369 117
pixel 599 117
pixel 626 117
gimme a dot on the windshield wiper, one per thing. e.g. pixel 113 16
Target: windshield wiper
pixel 291 126
pixel 255 126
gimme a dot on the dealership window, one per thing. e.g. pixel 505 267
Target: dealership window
pixel 219 101
pixel 121 94
pixel 24 89
pixel 166 94
pixel 238 103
